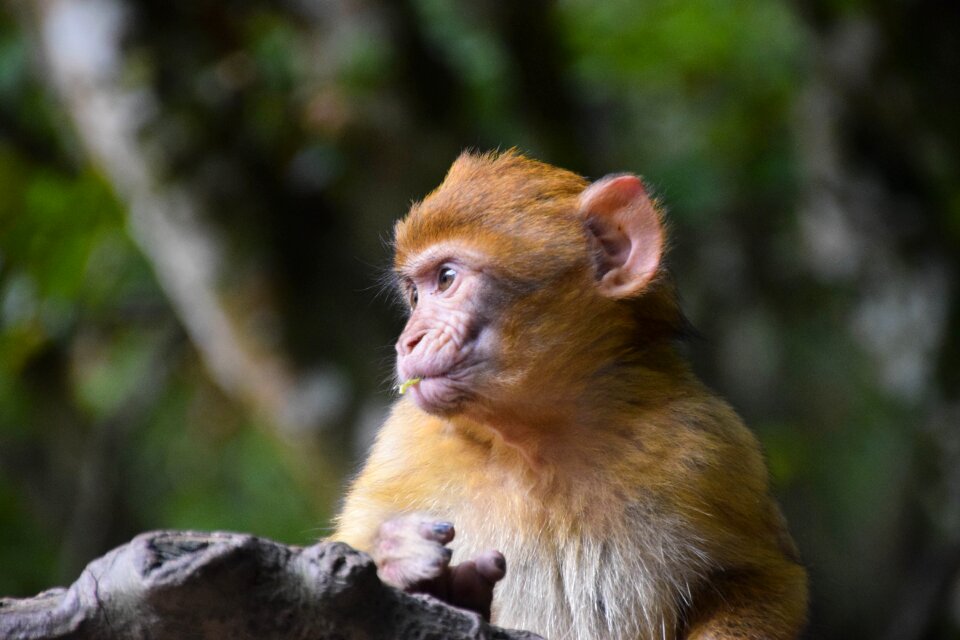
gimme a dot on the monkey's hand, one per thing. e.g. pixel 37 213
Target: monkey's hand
pixel 410 555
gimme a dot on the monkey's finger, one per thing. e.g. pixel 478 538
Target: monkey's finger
pixel 491 565
pixel 438 587
pixel 437 531
pixel 469 589
pixel 413 566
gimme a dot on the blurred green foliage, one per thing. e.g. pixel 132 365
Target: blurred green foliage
pixel 89 351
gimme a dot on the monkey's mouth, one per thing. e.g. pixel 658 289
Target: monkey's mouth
pixel 440 394
pixel 446 380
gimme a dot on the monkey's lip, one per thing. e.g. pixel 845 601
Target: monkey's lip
pixel 439 393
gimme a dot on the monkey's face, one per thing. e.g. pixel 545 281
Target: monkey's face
pixel 480 342
pixel 447 343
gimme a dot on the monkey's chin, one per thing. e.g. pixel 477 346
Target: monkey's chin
pixel 440 396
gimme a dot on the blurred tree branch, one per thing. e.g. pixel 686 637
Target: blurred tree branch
pixel 81 48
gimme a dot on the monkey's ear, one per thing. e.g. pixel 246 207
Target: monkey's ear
pixel 629 236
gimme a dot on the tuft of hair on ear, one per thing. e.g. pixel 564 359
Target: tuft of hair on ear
pixel 658 313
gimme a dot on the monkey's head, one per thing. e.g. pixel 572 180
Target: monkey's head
pixel 524 283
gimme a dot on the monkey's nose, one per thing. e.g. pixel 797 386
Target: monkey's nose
pixel 408 343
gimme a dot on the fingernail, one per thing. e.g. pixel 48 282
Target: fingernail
pixel 442 528
pixel 501 562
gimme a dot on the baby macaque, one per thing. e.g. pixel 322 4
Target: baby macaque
pixel 551 440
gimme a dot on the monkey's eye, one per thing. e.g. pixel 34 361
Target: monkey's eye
pixel 413 296
pixel 445 278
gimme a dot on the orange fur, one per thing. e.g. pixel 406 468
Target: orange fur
pixel 629 501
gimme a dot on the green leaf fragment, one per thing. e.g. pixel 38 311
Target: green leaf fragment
pixel 402 388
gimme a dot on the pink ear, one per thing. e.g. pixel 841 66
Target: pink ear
pixel 628 232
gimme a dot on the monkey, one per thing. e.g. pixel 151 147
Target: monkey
pixel 552 449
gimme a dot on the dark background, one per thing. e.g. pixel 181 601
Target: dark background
pixel 196 198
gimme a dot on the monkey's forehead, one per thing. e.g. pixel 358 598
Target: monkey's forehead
pixel 499 203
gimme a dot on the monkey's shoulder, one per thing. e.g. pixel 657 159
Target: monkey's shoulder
pixel 694 452
pixel 697 428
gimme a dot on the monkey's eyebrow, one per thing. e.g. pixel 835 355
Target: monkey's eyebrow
pixel 435 255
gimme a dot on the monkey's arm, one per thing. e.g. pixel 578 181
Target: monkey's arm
pixel 358 523
pixel 767 604
pixel 397 511
pixel 402 475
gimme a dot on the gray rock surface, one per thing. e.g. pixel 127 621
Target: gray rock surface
pixel 175 585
